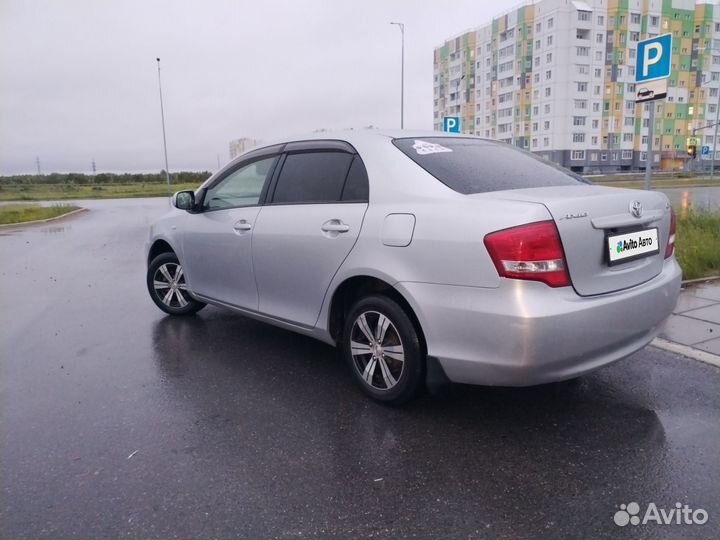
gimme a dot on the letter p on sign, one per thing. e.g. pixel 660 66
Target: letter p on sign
pixel 653 53
pixel 653 58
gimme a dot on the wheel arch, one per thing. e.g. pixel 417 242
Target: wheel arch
pixel 158 247
pixel 352 289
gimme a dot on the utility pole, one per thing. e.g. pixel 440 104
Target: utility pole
pixel 715 136
pixel 402 72
pixel 162 117
pixel 37 162
pixel 94 167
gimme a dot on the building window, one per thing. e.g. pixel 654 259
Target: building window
pixel 547 108
pixel 603 156
pixel 578 137
pixel 547 92
pixel 627 137
pixel 626 154
pixel 538 28
pixel 634 18
pixel 598 56
pixel 546 141
pixel 654 20
pixel 549 40
pixel 550 22
pixel 601 20
pixel 634 36
pixel 581 104
pixel 596 106
pixel 546 125
pixel 548 75
pixel 548 58
pixel 583 51
pixel 578 120
pixel 581 86
pixel 593 141
pixel 583 69
pixel 584 15
pixel 595 124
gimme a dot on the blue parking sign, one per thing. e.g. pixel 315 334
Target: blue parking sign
pixel 451 124
pixel 653 58
pixel 705 150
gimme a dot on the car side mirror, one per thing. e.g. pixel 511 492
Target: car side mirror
pixel 184 200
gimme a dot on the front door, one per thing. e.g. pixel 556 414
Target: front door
pixel 217 240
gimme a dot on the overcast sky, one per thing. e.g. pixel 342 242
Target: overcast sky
pixel 78 79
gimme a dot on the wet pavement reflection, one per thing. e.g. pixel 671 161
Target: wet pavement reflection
pixel 703 198
pixel 119 421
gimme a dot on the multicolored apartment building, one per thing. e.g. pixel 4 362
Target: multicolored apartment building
pixel 557 77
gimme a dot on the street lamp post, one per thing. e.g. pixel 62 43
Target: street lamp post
pixel 401 26
pixel 714 145
pixel 162 117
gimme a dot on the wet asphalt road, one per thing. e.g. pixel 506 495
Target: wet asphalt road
pixel 242 430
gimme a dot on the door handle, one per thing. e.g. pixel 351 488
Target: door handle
pixel 242 226
pixel 336 226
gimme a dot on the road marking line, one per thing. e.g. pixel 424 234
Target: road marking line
pixel 689 352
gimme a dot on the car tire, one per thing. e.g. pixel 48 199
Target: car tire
pixel 383 349
pixel 167 287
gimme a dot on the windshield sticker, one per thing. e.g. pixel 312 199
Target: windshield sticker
pixel 424 148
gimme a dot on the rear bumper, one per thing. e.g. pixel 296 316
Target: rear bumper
pixel 524 332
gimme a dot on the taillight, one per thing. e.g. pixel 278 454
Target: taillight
pixel 671 237
pixel 531 251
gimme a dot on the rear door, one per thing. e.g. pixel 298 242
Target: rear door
pixel 302 236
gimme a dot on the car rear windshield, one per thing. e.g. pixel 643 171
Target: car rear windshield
pixel 478 165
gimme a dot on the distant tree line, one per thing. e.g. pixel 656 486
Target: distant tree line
pixel 105 178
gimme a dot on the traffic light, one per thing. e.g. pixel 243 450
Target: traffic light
pixel 692 151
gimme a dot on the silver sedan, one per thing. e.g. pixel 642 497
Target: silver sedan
pixel 425 257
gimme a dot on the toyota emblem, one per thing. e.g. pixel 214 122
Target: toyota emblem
pixel 636 209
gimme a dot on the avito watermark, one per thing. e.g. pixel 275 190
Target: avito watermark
pixel 679 515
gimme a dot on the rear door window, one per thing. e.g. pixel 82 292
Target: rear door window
pixel 477 165
pixel 313 177
pixel 356 186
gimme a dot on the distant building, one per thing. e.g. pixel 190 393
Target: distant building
pixel 557 77
pixel 238 146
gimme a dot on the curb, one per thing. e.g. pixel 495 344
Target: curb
pixel 689 352
pixel 699 280
pixel 23 223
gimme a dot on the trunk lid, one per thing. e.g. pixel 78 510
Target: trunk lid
pixel 585 216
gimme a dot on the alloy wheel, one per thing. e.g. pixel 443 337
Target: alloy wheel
pixel 169 285
pixel 377 350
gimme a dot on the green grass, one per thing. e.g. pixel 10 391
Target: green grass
pixel 20 213
pixel 697 245
pixel 51 192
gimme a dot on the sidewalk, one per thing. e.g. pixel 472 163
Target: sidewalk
pixel 695 322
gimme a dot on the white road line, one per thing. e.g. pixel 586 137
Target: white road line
pixel 684 350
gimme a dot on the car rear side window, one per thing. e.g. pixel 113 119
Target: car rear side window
pixel 356 186
pixel 477 165
pixel 312 177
